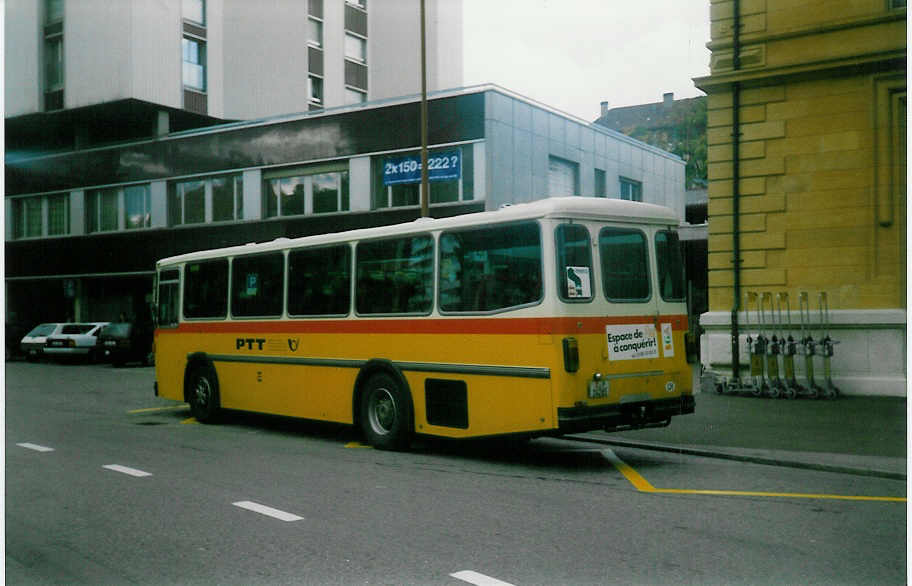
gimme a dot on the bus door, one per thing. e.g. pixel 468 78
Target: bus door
pixel 643 348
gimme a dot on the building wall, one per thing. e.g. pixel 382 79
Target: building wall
pixel 155 54
pixel 523 136
pixel 24 41
pixel 822 176
pixel 266 47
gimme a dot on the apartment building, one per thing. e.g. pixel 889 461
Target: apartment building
pixel 84 72
pixel 807 178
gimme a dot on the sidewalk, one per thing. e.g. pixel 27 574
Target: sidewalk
pixel 859 435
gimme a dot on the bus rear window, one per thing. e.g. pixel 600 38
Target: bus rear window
pixel 670 265
pixel 319 281
pixel 491 268
pixel 625 269
pixel 574 262
pixel 395 276
pixel 206 289
pixel 256 289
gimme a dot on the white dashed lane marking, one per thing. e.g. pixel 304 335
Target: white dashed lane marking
pixel 35 447
pixel 268 511
pixel 126 470
pixel 478 579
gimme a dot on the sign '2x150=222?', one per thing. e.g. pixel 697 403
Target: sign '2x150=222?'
pixel 444 166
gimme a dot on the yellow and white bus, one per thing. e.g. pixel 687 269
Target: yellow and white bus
pixel 551 317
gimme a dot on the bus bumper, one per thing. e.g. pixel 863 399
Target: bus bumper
pixel 621 417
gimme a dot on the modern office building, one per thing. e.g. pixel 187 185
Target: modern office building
pixel 807 179
pixel 136 130
pixel 86 226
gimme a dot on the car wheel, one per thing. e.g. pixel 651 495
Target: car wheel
pixel 386 415
pixel 203 394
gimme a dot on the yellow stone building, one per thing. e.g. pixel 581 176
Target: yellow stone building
pixel 815 199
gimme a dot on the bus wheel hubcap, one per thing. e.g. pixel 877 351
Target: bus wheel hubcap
pixel 203 391
pixel 382 411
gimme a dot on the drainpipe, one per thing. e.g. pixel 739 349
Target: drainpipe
pixel 736 193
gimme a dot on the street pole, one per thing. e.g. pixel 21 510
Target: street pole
pixel 424 123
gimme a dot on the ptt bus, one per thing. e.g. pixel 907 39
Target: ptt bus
pixel 544 318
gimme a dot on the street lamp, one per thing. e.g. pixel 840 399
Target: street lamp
pixel 425 194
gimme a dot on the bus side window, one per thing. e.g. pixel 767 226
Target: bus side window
pixel 206 289
pixel 395 276
pixel 490 268
pixel 319 281
pixel 257 285
pixel 168 290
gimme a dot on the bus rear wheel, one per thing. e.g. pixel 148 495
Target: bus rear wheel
pixel 385 413
pixel 202 394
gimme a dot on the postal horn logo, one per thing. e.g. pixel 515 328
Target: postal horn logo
pixel 293 344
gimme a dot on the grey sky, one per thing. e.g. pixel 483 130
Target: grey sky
pixel 574 54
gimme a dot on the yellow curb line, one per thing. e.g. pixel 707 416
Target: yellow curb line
pixel 643 485
pixel 356 445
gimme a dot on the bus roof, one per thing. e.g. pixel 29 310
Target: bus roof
pixel 584 208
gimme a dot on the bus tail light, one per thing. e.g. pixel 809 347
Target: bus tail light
pixel 571 355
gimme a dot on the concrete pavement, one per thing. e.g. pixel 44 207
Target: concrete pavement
pixel 857 435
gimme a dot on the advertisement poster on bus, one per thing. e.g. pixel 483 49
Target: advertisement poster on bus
pixel 632 342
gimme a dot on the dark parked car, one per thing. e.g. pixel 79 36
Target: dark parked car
pixel 123 342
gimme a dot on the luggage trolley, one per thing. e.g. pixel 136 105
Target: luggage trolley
pixel 775 385
pixel 827 347
pixel 808 346
pixel 789 350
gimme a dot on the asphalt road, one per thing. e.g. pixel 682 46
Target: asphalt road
pixel 106 484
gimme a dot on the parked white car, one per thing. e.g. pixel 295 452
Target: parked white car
pixel 32 344
pixel 74 340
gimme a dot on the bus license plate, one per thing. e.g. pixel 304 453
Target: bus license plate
pixel 598 389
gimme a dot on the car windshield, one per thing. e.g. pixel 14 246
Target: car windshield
pixel 42 330
pixel 77 328
pixel 122 329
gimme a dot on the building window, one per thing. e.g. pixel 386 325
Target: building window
pixel 137 208
pixel 563 177
pixel 227 198
pixel 53 55
pixel 601 187
pixel 319 189
pixel 315 32
pixel 58 214
pixel 102 207
pixel 213 199
pixel 355 48
pixel 187 203
pixel 630 190
pixel 46 215
pixel 315 89
pixel 53 11
pixel 27 217
pixel 353 96
pixel 396 178
pixel 362 4
pixel 194 63
pixel 194 10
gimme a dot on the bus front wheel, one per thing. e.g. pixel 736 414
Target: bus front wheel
pixel 385 413
pixel 202 394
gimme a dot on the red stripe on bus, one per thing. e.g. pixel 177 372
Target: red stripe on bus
pixel 507 326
